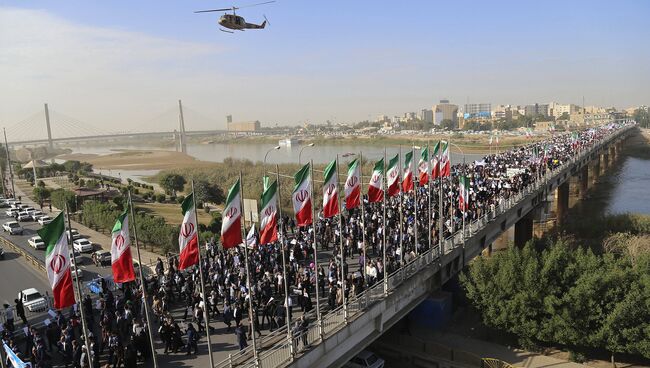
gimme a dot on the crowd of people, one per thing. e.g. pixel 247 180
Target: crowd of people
pixel 287 276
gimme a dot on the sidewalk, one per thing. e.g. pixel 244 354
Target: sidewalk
pixel 102 240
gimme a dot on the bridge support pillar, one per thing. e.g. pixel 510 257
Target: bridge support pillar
pixel 605 162
pixel 523 230
pixel 562 202
pixel 584 181
pixel 595 170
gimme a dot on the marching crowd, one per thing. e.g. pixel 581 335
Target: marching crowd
pixel 339 272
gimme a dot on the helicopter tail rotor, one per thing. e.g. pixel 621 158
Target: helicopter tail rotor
pixel 266 21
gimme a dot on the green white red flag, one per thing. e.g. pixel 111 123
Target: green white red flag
pixel 407 181
pixel 268 215
pixel 435 162
pixel 188 239
pixel 301 197
pixel 423 167
pixel 231 218
pixel 57 261
pixel 376 187
pixel 392 175
pixel 353 185
pixel 463 200
pixel 121 258
pixel 445 162
pixel 330 191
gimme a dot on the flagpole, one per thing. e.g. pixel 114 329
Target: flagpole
pixel 429 185
pixel 363 216
pixel 383 174
pixel 248 278
pixel 84 326
pixel 415 198
pixel 313 227
pixel 345 306
pixel 205 299
pixel 142 282
pixel 401 210
pixel 284 261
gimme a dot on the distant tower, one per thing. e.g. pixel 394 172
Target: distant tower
pixel 228 121
pixel 182 123
pixel 49 130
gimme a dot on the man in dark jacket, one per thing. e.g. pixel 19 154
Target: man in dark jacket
pixel 20 310
pixel 192 339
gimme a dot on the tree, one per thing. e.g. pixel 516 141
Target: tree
pixel 172 183
pixel 61 197
pixel 564 116
pixel 447 124
pixel 41 194
pixel 208 192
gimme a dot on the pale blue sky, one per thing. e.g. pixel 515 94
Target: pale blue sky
pixel 120 62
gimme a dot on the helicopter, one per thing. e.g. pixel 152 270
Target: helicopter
pixel 234 21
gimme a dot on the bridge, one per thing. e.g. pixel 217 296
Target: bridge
pixel 48 127
pixel 345 331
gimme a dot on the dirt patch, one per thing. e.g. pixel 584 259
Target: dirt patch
pixel 139 160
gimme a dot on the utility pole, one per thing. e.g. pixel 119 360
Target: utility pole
pixel 183 142
pixel 11 170
pixel 49 129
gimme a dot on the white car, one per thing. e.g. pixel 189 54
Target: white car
pixel 36 214
pixel 365 359
pixel 76 272
pixel 36 242
pixel 44 220
pixel 11 212
pixel 24 216
pixel 13 228
pixel 32 300
pixel 82 245
pixel 75 234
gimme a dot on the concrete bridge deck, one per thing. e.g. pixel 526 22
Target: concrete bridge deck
pixel 344 332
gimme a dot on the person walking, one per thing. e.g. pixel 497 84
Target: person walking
pixel 241 337
pixel 20 309
pixel 192 340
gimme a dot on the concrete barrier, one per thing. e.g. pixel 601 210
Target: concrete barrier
pixel 35 263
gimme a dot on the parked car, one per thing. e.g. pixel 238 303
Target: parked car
pixel 75 234
pixel 101 257
pixel 13 228
pixel 12 212
pixel 32 300
pixel 36 242
pixel 76 256
pixel 44 220
pixel 365 359
pixel 36 214
pixel 82 245
pixel 23 216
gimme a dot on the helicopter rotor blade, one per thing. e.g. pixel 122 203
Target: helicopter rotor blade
pixel 249 5
pixel 214 10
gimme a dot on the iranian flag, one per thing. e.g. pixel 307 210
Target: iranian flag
pixel 407 182
pixel 423 167
pixel 57 261
pixel 435 162
pixel 392 175
pixel 445 162
pixel 121 260
pixel 463 200
pixel 330 191
pixel 268 215
pixel 231 218
pixel 376 187
pixel 188 239
pixel 353 185
pixel 301 196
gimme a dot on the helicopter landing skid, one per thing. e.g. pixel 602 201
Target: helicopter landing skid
pixel 223 30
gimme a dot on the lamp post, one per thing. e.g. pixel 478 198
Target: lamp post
pixel 265 178
pixel 303 147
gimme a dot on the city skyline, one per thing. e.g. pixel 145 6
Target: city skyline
pixel 123 63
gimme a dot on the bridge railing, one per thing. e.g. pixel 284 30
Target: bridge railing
pixel 284 351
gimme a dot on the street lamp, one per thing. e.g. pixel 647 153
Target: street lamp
pixel 303 147
pixel 265 178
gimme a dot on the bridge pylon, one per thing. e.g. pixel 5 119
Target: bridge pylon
pixel 50 144
pixel 183 142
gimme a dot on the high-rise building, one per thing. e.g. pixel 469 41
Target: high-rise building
pixel 444 111
pixel 480 110
pixel 536 109
pixel 426 116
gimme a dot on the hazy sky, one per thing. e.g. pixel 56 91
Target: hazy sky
pixel 125 62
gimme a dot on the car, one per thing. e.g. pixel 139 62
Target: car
pixel 76 256
pixel 82 245
pixel 32 300
pixel 13 228
pixel 36 214
pixel 102 257
pixel 11 212
pixel 24 216
pixel 13 202
pixel 75 234
pixel 44 220
pixel 25 207
pixel 4 204
pixel 36 242
pixel 76 272
pixel 365 359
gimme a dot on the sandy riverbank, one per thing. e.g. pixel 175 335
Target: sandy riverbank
pixel 138 160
